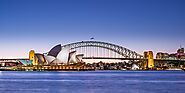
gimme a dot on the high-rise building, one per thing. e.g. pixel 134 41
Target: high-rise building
pixel 180 53
pixel 181 50
pixel 161 55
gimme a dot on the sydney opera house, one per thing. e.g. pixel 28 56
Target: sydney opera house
pixel 56 56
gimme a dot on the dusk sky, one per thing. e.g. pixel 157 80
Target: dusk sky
pixel 139 25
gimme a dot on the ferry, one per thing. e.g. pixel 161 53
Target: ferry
pixel 177 69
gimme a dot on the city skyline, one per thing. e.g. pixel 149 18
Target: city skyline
pixel 156 25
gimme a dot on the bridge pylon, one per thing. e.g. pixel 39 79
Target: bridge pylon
pixel 149 63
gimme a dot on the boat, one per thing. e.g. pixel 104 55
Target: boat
pixel 176 69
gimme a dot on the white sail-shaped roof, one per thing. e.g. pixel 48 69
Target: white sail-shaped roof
pixel 72 57
pixel 56 61
pixel 79 57
pixel 55 50
pixel 49 59
pixel 63 55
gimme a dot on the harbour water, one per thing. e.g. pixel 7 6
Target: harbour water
pixel 93 82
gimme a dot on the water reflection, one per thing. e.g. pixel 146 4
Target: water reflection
pixel 93 82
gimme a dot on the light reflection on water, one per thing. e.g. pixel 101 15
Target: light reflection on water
pixel 93 82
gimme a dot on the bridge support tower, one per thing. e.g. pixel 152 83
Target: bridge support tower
pixel 149 63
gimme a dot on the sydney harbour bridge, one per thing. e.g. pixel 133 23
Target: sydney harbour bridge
pixel 103 50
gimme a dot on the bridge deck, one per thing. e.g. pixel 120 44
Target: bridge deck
pixel 111 58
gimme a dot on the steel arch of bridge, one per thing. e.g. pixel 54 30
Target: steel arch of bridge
pixel 115 48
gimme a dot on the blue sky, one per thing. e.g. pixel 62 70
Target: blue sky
pixel 140 25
